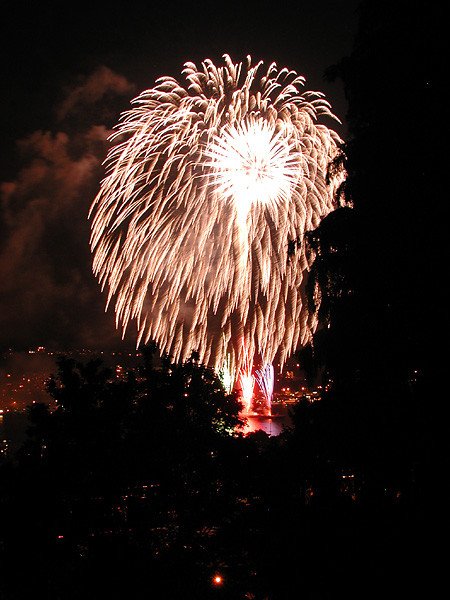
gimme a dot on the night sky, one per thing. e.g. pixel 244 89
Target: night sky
pixel 66 77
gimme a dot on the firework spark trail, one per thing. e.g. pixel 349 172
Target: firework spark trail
pixel 226 375
pixel 246 379
pixel 265 379
pixel 205 189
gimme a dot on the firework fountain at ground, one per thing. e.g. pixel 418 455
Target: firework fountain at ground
pixel 206 189
pixel 226 375
pixel 246 379
pixel 265 378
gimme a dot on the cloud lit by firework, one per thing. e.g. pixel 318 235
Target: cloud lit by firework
pixel 206 187
pixel 48 293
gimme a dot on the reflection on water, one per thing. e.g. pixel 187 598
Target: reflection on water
pixel 273 426
pixel 13 427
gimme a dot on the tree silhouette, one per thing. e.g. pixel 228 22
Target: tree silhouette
pixel 139 471
pixel 377 266
pixel 379 333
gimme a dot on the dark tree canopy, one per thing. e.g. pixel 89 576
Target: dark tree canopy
pixel 377 263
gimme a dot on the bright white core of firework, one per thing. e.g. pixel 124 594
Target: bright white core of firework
pixel 251 163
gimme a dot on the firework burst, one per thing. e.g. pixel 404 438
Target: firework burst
pixel 205 188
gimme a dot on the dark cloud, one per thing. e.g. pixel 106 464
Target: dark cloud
pixel 48 293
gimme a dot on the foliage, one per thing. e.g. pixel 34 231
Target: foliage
pixel 374 266
pixel 141 466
